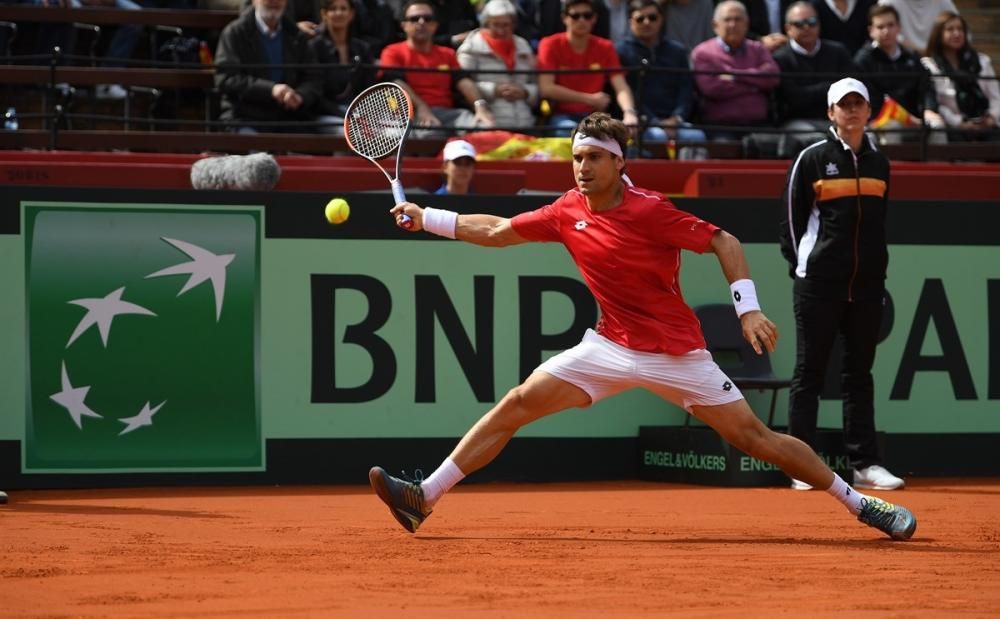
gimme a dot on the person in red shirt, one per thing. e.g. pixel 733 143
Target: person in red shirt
pixel 574 95
pixel 434 105
pixel 626 242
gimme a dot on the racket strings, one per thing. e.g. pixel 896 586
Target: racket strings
pixel 377 122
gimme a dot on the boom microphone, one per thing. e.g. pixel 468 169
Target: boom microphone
pixel 256 172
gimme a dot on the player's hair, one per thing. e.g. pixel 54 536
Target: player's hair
pixel 602 126
pixel 879 10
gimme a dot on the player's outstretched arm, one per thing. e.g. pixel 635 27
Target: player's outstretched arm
pixel 757 328
pixel 486 230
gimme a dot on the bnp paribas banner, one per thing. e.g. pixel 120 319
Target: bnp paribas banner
pixel 143 339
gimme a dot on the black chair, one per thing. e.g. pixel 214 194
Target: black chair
pixel 736 357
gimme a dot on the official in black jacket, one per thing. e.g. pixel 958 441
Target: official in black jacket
pixel 264 36
pixel 833 236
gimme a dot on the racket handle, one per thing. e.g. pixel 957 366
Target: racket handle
pixel 400 196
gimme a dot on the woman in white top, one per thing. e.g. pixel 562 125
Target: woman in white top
pixel 967 91
pixel 495 47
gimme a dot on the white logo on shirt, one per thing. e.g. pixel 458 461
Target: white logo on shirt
pixel 832 169
pixel 580 225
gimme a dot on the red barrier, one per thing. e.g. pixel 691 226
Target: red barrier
pixel 715 178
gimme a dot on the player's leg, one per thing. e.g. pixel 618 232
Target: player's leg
pixel 738 425
pixel 540 395
pixel 587 373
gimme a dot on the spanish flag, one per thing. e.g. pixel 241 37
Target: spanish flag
pixel 892 115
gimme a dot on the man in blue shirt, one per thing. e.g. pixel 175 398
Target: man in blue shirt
pixel 663 97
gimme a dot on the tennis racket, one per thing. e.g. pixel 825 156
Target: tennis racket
pixel 376 125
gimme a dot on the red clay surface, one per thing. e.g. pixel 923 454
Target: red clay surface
pixel 496 550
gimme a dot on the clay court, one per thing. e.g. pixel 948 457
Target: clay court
pixel 496 550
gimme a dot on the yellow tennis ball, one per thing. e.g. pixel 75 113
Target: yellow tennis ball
pixel 337 211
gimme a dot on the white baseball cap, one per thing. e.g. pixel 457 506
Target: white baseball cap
pixel 458 148
pixel 839 90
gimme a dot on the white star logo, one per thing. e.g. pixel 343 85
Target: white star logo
pixel 71 398
pixel 580 225
pixel 102 311
pixel 144 418
pixel 204 266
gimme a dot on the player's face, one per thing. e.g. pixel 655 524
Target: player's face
pixel 596 170
pixel 850 113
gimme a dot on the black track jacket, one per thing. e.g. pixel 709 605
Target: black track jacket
pixel 832 229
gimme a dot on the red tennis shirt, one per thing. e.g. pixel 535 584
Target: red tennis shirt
pixel 629 257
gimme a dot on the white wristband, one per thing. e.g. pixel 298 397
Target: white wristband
pixel 744 296
pixel 440 222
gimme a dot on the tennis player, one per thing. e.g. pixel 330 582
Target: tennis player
pixel 626 241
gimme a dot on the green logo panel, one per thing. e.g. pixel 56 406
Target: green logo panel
pixel 142 338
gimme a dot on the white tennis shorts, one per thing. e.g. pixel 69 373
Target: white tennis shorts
pixel 602 368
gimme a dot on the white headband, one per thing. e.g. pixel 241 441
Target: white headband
pixel 611 146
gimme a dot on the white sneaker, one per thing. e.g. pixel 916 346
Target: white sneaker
pixel 800 485
pixel 110 91
pixel 876 477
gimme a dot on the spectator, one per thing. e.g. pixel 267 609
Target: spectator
pixel 767 22
pixel 738 74
pixel 664 97
pixel 884 56
pixel 495 47
pixel 262 35
pixel 916 18
pixel 809 65
pixel 964 80
pixel 576 95
pixel 844 21
pixel 336 48
pixel 458 168
pixel 431 90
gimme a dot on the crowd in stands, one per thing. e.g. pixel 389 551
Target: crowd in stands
pixel 686 71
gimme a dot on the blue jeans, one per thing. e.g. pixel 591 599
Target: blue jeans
pixel 565 124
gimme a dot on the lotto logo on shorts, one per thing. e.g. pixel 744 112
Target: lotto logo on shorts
pixel 142 339
pixel 727 386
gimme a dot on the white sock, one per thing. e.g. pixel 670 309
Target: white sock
pixel 441 481
pixel 850 497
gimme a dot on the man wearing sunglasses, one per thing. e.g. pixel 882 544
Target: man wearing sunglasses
pixel 431 88
pixel 664 96
pixel 809 65
pixel 575 95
